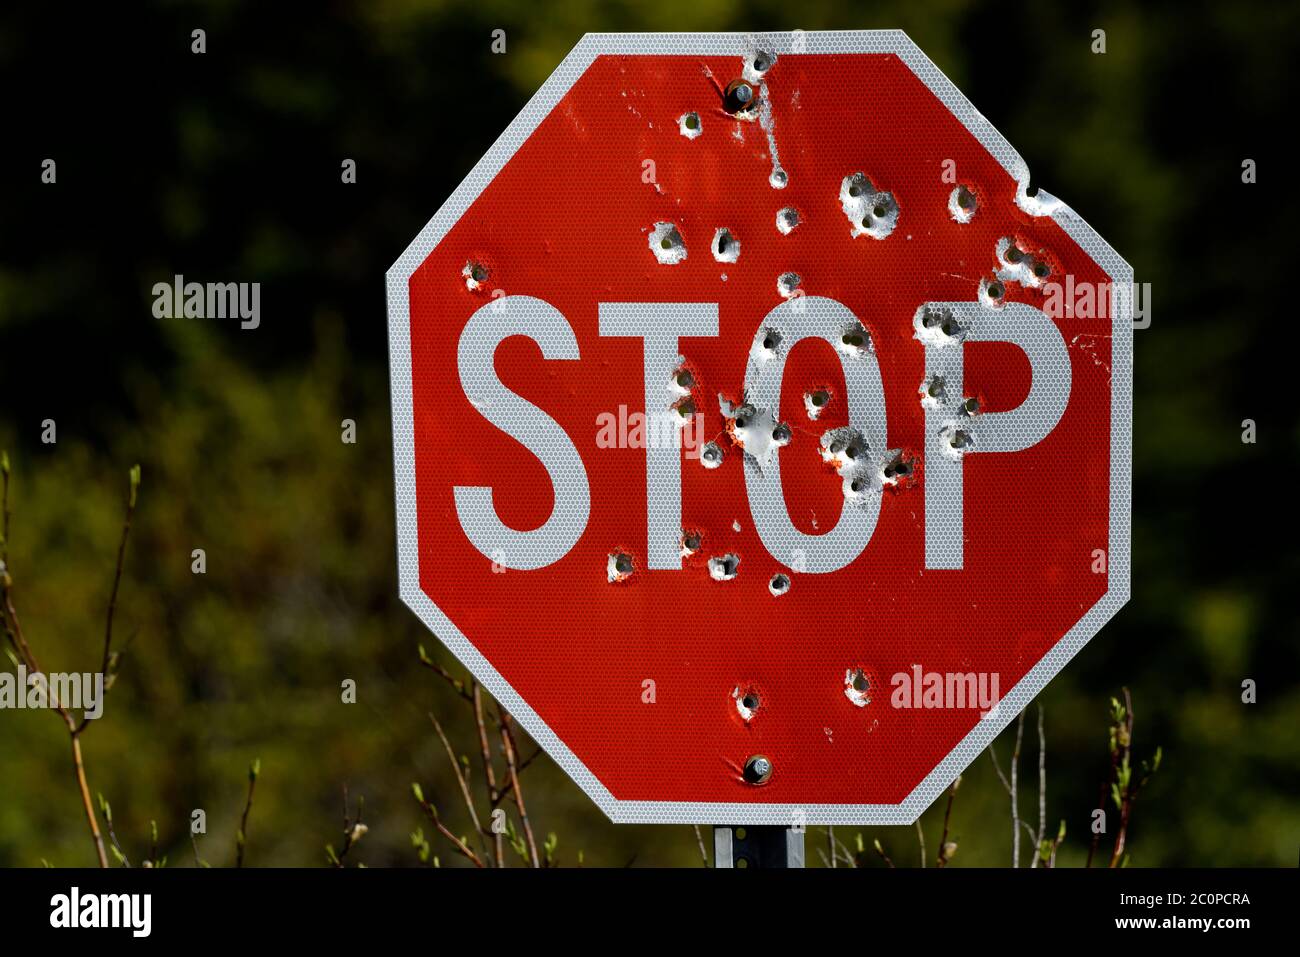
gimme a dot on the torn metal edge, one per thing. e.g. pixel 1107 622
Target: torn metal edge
pixel 724 44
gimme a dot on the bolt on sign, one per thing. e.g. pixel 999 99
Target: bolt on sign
pixel 743 447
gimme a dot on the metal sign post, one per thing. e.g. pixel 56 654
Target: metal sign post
pixel 757 845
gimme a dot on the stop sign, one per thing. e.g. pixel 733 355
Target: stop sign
pixel 760 441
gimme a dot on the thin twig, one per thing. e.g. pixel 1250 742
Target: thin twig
pixel 508 742
pixel 460 845
pixel 830 843
pixel 920 836
pixel 883 856
pixel 944 856
pixel 699 839
pixel 1042 790
pixel 1015 805
pixel 1010 786
pixel 446 675
pixel 460 779
pixel 489 772
pixel 106 660
pixel 241 836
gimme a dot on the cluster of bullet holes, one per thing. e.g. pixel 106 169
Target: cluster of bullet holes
pixel 689 125
pixel 726 247
pixel 788 283
pixel 857 687
pixel 962 204
pixel 937 326
pixel 898 470
pixel 667 244
pixel 619 567
pixel 1020 266
pixel 786 220
pixel 815 402
pixel 854 340
pixel 871 212
pixel 475 275
pixel 747 703
pixel 843 447
pixel 723 568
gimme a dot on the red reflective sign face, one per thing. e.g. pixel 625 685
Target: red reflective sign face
pixel 766 453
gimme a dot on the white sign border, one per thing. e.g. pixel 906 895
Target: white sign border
pixel 737 44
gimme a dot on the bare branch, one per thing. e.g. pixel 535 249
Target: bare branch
pixel 460 779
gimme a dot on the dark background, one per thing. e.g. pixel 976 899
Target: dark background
pixel 226 165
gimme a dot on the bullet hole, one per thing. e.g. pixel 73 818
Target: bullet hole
pixel 758 769
pixel 962 204
pixel 781 435
pixel 787 283
pixel 723 568
pixel 475 274
pixel 771 341
pixel 740 100
pixel 779 585
pixel 779 179
pixel 688 124
pixel 711 455
pixel 898 469
pixel 1041 269
pixel 726 247
pixel 743 415
pixel 870 212
pixel 685 408
pixel 933 392
pixel 857 687
pixel 955 440
pixel 690 542
pixel 969 406
pixel 1013 254
pixel 757 64
pixel 815 402
pixel 937 326
pixel 667 244
pixel 684 378
pixel 619 567
pixel 991 293
pixel 786 220
pixel 747 703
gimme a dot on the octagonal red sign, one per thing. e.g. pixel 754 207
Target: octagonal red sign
pixel 760 441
